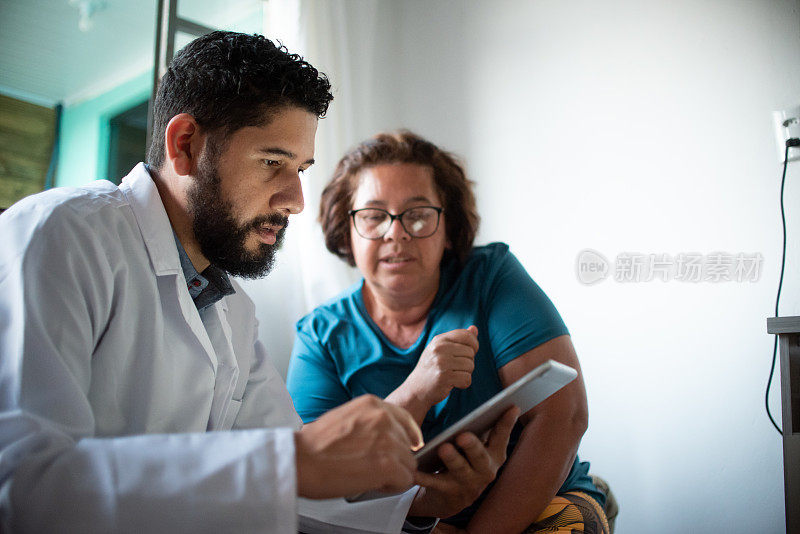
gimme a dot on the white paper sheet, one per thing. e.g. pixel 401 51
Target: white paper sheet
pixel 337 516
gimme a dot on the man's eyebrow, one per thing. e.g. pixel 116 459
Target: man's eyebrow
pixel 275 151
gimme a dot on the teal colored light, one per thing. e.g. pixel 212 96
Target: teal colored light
pixel 83 155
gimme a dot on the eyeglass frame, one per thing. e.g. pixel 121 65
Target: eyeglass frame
pixel 398 217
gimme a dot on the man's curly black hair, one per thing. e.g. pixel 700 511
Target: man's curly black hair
pixel 229 80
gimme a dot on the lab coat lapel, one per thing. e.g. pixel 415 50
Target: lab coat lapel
pixel 151 217
pixel 192 317
pixel 215 319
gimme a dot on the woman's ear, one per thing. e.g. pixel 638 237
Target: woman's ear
pixel 182 141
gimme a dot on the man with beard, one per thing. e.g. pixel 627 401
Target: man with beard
pixel 134 393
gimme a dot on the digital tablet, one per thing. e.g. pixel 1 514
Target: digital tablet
pixel 525 393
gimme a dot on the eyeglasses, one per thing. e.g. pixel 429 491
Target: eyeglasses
pixel 418 222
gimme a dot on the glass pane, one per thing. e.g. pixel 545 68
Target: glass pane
pixel 236 15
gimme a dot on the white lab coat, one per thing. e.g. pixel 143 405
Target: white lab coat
pixel 112 384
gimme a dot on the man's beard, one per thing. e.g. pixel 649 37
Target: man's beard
pixel 222 240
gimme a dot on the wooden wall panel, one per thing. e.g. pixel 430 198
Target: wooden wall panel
pixel 26 143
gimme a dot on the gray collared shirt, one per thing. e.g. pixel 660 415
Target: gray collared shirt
pixel 206 288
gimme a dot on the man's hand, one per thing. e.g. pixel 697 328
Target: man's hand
pixel 446 493
pixel 446 362
pixel 362 445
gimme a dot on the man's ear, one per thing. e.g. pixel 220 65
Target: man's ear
pixel 183 141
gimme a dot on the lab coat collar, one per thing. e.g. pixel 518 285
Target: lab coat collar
pixel 159 236
pixel 151 216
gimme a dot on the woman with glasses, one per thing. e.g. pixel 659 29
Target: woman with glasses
pixel 438 326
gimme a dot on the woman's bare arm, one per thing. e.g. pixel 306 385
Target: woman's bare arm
pixel 546 450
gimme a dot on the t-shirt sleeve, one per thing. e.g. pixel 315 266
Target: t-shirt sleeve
pixel 519 314
pixel 312 379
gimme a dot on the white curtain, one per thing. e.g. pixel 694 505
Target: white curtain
pixel 324 36
pixel 331 35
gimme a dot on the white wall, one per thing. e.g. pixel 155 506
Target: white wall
pixel 625 126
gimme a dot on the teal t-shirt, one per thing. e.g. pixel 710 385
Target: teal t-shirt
pixel 340 353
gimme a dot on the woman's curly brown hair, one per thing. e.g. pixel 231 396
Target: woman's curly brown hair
pixel 451 183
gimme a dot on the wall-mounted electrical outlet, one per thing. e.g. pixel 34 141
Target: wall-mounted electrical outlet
pixel 787 125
